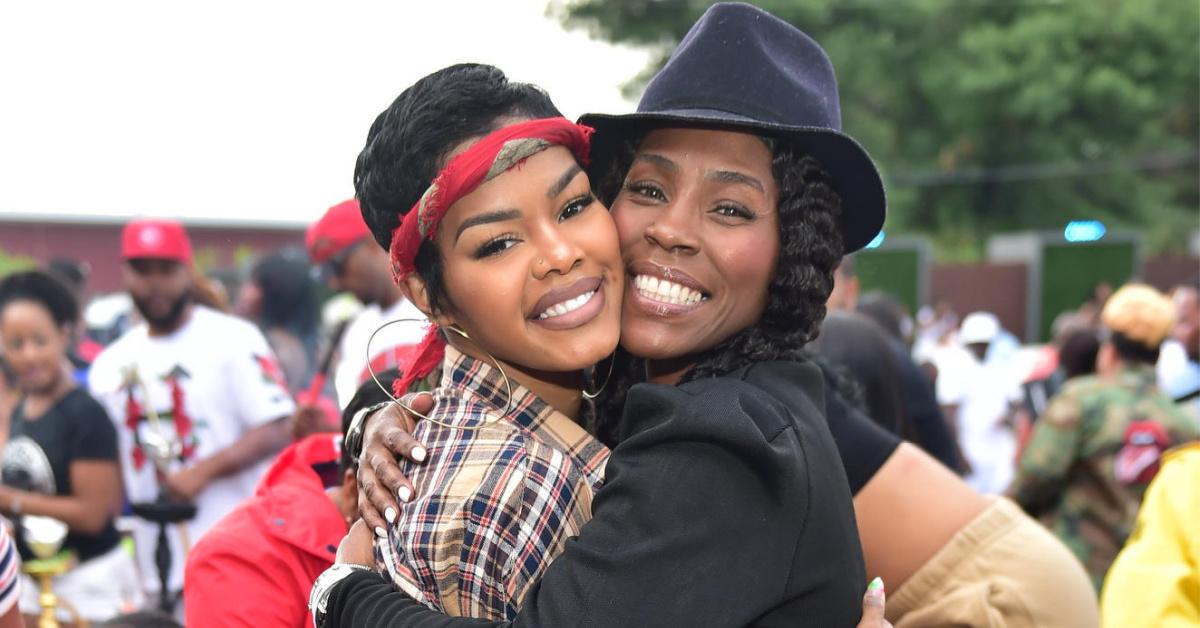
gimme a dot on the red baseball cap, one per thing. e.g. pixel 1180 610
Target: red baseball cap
pixel 341 226
pixel 157 238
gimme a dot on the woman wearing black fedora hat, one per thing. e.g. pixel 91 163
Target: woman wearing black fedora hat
pixel 734 181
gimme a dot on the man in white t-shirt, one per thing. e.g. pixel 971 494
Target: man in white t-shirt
pixel 977 386
pixel 351 261
pixel 193 376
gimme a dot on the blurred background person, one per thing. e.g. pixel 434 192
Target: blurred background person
pixel 209 291
pixel 977 388
pixel 60 460
pixel 10 583
pixel 890 314
pixel 192 376
pixel 844 296
pixel 1071 355
pixel 350 260
pixel 1179 364
pixel 280 296
pixel 272 547
pixel 1099 443
pixel 74 275
pixel 896 394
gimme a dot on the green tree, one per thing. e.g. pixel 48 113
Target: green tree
pixel 995 115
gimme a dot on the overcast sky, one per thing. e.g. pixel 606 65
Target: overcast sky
pixel 246 109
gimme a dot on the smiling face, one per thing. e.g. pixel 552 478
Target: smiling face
pixel 531 268
pixel 699 228
pixel 33 345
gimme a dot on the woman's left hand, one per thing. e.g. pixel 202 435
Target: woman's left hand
pixel 358 547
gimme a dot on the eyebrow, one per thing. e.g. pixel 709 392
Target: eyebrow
pixel 729 176
pixel 563 181
pixel 488 218
pixel 658 160
pixel 723 176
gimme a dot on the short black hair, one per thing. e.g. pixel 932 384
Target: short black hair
pixel 408 144
pixel 858 345
pixel 1077 352
pixel 1133 351
pixel 368 394
pixel 45 290
pixel 73 274
pixel 289 293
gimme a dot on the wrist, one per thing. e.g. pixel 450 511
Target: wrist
pixel 318 599
pixel 205 470
pixel 356 431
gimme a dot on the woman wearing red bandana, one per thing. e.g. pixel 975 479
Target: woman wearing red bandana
pixel 516 263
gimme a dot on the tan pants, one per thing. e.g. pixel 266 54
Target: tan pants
pixel 1002 569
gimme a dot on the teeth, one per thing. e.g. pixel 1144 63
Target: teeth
pixel 665 291
pixel 570 305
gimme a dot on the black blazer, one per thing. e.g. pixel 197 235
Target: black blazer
pixel 725 504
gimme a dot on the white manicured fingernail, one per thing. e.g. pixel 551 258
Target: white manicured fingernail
pixel 404 494
pixel 390 514
pixel 380 532
pixel 418 453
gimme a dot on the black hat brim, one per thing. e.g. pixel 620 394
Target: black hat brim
pixel 864 204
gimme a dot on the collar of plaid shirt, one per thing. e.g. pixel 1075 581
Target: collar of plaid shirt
pixel 494 504
pixel 478 379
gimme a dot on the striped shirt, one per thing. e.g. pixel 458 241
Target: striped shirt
pixel 495 504
pixel 10 573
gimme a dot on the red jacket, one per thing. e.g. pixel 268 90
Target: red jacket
pixel 256 566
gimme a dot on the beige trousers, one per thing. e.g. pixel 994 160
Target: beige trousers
pixel 1004 570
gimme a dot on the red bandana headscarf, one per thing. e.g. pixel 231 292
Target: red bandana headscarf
pixel 495 154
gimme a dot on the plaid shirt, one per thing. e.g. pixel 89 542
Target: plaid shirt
pixel 493 505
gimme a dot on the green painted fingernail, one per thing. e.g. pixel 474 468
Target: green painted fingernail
pixel 876 584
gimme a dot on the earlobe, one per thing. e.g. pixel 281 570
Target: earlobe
pixel 416 292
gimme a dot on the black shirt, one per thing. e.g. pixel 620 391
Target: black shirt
pixel 75 428
pixel 863 445
pixel 723 505
pixel 923 413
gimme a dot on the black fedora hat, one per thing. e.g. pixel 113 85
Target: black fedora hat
pixel 741 68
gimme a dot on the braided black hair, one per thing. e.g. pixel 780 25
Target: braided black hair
pixel 811 245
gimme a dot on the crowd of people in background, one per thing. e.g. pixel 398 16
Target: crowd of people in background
pixel 1074 431
pixel 208 453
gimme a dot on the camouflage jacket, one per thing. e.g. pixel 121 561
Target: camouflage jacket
pixel 1091 456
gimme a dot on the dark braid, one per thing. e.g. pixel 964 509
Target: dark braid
pixel 811 246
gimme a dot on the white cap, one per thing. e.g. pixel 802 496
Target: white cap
pixel 979 327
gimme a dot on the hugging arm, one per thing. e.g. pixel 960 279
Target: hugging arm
pixel 666 545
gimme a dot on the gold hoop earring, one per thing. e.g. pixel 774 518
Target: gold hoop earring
pixel 592 395
pixel 410 409
pixel 495 363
